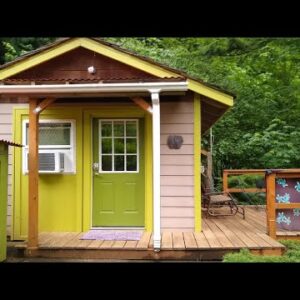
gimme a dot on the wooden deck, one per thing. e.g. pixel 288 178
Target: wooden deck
pixel 219 235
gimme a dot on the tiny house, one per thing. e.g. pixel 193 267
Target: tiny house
pixel 111 140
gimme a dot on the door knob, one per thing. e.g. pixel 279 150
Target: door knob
pixel 96 166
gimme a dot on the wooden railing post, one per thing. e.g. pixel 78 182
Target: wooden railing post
pixel 271 214
pixel 209 170
pixel 225 181
pixel 33 175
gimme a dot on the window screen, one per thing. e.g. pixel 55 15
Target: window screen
pixel 53 134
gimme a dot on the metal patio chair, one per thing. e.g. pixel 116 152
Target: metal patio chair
pixel 217 203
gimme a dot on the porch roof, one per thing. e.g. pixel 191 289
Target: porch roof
pixel 115 52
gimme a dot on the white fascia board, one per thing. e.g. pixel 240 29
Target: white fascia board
pixel 93 88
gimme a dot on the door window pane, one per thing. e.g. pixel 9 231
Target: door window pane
pixel 131 163
pixel 131 128
pixel 119 162
pixel 118 128
pixel 119 145
pixel 106 145
pixel 106 163
pixel 106 129
pixel 131 145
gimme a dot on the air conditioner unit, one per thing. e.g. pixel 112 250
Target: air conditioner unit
pixel 50 162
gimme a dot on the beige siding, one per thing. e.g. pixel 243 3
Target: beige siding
pixel 177 167
pixel 177 181
pixel 177 201
pixel 178 160
pixel 6 130
pixel 185 149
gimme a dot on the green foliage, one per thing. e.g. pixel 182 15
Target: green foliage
pixel 14 47
pixel 292 254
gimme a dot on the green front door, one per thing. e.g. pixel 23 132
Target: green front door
pixel 118 172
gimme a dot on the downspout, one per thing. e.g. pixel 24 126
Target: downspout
pixel 156 168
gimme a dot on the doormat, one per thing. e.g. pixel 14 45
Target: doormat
pixel 112 235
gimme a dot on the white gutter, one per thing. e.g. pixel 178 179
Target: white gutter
pixel 93 88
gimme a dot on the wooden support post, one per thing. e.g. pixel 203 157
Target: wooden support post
pixel 204 152
pixel 44 104
pixel 209 170
pixel 225 181
pixel 33 175
pixel 143 104
pixel 271 214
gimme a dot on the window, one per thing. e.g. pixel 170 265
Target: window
pixel 118 146
pixel 56 137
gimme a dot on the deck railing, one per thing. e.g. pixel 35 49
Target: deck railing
pixel 274 179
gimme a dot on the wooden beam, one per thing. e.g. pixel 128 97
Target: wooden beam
pixel 246 171
pixel 286 175
pixel 245 190
pixel 225 181
pixel 287 205
pixel 143 104
pixel 43 105
pixel 271 215
pixel 286 172
pixel 33 175
pixel 204 152
pixel 210 169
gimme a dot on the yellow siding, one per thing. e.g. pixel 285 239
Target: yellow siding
pixel 60 203
pixel 65 200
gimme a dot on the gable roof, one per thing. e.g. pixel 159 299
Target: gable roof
pixel 113 51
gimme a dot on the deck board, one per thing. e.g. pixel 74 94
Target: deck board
pixel 210 236
pixel 95 244
pixel 106 245
pixel 253 233
pixel 219 235
pixel 236 242
pixel 189 240
pixel 201 240
pixel 222 238
pixel 73 241
pixel 143 243
pixel 241 234
pixel 130 244
pixel 167 241
pixel 118 244
pixel 178 241
pixel 64 240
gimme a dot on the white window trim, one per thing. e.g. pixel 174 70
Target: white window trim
pixel 125 154
pixel 72 145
